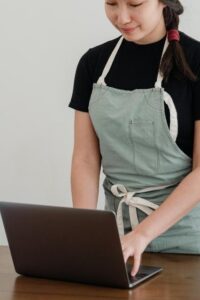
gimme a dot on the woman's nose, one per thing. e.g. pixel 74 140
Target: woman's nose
pixel 123 16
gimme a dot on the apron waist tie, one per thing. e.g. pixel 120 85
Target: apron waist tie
pixel 133 202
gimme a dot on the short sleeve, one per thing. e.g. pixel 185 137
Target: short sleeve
pixel 82 87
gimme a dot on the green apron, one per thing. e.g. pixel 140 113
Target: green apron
pixel 140 158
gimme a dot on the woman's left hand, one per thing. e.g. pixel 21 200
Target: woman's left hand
pixel 133 244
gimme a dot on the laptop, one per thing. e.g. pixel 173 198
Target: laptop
pixel 70 244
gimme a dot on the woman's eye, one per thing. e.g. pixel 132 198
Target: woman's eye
pixel 133 5
pixel 136 5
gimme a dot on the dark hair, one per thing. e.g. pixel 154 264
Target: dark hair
pixel 174 55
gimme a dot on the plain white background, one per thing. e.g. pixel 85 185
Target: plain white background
pixel 41 44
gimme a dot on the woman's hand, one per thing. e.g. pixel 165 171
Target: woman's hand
pixel 133 244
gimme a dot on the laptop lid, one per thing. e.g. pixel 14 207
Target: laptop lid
pixel 63 243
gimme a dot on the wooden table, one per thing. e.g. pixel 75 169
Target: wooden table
pixel 180 279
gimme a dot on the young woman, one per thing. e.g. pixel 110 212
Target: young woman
pixel 137 102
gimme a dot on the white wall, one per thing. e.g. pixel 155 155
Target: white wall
pixel 41 43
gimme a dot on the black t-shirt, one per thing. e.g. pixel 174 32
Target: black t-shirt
pixel 136 66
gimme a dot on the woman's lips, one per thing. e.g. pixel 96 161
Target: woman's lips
pixel 128 30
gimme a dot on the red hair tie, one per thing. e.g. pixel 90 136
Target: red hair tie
pixel 173 35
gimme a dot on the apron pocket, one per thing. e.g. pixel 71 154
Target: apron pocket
pixel 145 151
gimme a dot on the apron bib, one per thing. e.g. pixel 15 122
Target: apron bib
pixel 140 158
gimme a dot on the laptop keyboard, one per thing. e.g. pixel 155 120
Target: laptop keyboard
pixel 138 276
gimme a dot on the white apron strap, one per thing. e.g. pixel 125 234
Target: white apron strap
pixel 173 126
pixel 158 83
pixel 109 62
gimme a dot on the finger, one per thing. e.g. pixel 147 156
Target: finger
pixel 126 254
pixel 136 264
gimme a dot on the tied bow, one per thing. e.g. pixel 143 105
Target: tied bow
pixel 133 202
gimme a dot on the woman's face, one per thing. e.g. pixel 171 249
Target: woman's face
pixel 144 18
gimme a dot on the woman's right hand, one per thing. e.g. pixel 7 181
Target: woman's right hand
pixel 133 245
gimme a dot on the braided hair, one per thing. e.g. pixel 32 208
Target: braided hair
pixel 174 55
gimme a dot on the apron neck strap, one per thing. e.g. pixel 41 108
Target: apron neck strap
pixel 109 62
pixel 158 83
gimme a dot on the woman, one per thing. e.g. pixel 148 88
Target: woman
pixel 137 101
